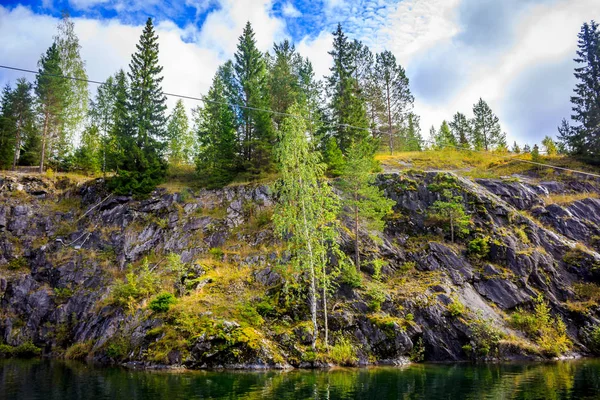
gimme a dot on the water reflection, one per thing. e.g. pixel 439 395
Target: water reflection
pixel 21 379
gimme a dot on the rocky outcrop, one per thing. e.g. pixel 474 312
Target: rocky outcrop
pixel 65 248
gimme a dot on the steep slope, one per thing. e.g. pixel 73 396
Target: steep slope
pixel 83 274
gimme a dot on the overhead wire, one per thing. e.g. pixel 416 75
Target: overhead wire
pixel 285 114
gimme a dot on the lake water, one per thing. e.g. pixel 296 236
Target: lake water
pixel 50 380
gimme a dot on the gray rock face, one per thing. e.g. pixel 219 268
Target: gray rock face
pixel 53 287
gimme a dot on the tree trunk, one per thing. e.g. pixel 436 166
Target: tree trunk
pixel 452 229
pixel 17 145
pixel 44 139
pixel 313 288
pixel 387 88
pixel 325 322
pixel 356 246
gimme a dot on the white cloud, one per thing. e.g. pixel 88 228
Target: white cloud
pixel 290 11
pixel 316 50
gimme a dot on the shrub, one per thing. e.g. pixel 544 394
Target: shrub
pixel 377 296
pixel 417 354
pixel 79 351
pixel 17 263
pixel 162 302
pixel 594 339
pixel 137 285
pixel 456 308
pixel 27 350
pixel 117 348
pixel 408 266
pixel 216 252
pixel 343 352
pixel 485 339
pixel 549 333
pixel 479 247
pixel 350 276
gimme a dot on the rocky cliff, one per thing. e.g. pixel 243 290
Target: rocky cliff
pixel 197 278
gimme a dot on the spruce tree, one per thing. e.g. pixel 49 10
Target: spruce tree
pixel 486 133
pixel 397 98
pixel 310 97
pixel 516 149
pixel 100 113
pixel 347 106
pixel 18 122
pixel 143 139
pixel 444 138
pixel 461 128
pixel 252 94
pixel 215 126
pixel 306 210
pixel 368 90
pixel 583 139
pixel 181 139
pixel 412 138
pixel 364 203
pixel 119 136
pixel 284 78
pixel 51 92
pixel 88 157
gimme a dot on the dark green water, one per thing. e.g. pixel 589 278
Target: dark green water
pixel 67 381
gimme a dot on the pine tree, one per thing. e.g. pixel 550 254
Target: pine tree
pixel 433 138
pixel 216 129
pixel 181 140
pixel 501 144
pixel 364 203
pixel 255 126
pixel 77 93
pixel 486 133
pixel 347 106
pixel 444 138
pixel 368 90
pixel 412 139
pixel 51 92
pixel 284 78
pixel 18 122
pixel 306 209
pixel 142 139
pixel 461 128
pixel 549 146
pixel 7 138
pixel 450 212
pixel 584 139
pixel 516 149
pixel 397 99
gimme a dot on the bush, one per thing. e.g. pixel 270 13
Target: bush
pixel 456 308
pixel 479 247
pixel 27 350
pixel 485 339
pixel 417 354
pixel 343 352
pixel 594 339
pixel 547 332
pixel 377 296
pixel 137 285
pixel 350 276
pixel 79 351
pixel 162 302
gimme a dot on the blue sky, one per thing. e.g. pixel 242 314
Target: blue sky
pixel 516 54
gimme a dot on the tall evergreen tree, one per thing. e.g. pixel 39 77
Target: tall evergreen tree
pixel 445 138
pixel 368 90
pixel 284 78
pixel 143 140
pixel 181 139
pixel 347 106
pixel 310 96
pixel 216 129
pixel 583 139
pixel 486 133
pixel 77 92
pixel 119 137
pixel 51 92
pixel 397 99
pixel 18 122
pixel 256 133
pixel 412 138
pixel 461 128
pixel 88 157
pixel 100 113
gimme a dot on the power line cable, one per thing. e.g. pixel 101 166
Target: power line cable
pixel 204 100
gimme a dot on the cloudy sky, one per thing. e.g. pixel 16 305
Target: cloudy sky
pixel 515 54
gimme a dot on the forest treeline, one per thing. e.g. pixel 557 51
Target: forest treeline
pixel 366 101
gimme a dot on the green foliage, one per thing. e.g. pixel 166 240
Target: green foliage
pixel 61 295
pixel 24 350
pixel 376 293
pixel 461 129
pixel 535 154
pixel 117 348
pixel 364 203
pixel 343 352
pixel 137 285
pixel 548 332
pixel 444 137
pixel 485 339
pixel 486 133
pixel 333 158
pixel 180 138
pixel 17 263
pixel 350 276
pixel 479 247
pixel 549 146
pixel 79 351
pixel 450 213
pixel 140 136
pixel 162 302
pixel 594 339
pixel 456 308
pixel 17 122
pixel 417 353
